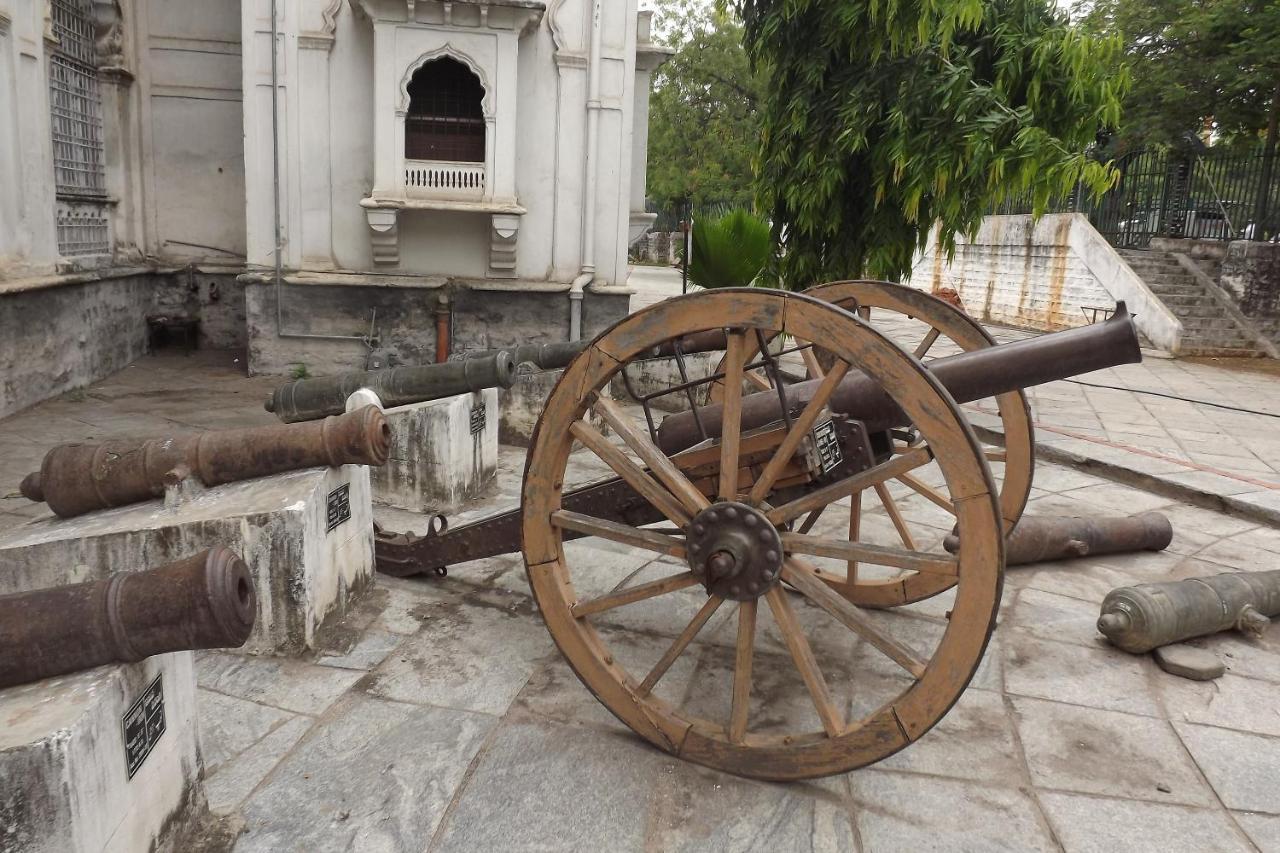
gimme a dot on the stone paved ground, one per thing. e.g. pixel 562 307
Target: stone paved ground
pixel 440 716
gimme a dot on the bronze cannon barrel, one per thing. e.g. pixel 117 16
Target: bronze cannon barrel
pixel 206 601
pixel 79 478
pixel 542 356
pixel 968 376
pixel 1144 617
pixel 1039 538
pixel 311 399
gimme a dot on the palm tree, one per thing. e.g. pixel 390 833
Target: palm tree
pixel 730 250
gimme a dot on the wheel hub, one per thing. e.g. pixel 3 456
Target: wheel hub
pixel 735 550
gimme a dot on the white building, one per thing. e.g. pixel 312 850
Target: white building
pixel 397 167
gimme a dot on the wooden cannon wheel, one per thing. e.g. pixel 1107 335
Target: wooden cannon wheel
pixel 941 320
pixel 746 722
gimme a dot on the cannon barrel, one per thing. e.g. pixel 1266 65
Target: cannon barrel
pixel 79 478
pixel 311 399
pixel 1144 617
pixel 542 356
pixel 206 601
pixel 968 376
pixel 1040 538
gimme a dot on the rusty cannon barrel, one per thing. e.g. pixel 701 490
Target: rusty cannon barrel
pixel 541 356
pixel 1144 617
pixel 311 399
pixel 206 601
pixel 79 478
pixel 969 376
pixel 1037 539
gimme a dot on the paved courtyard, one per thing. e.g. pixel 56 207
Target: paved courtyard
pixel 440 716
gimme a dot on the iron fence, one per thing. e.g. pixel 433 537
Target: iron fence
pixel 1166 193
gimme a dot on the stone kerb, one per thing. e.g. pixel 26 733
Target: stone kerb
pixel 70 785
pixel 307 537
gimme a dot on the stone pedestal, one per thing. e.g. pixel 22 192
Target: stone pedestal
pixel 657 374
pixel 307 537
pixel 443 453
pixel 69 782
pixel 521 405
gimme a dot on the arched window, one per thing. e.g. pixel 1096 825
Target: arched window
pixel 446 116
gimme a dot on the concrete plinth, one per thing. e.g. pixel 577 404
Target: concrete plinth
pixel 521 405
pixel 67 782
pixel 307 537
pixel 443 453
pixel 657 374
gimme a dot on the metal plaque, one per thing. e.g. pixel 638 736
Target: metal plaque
pixel 142 725
pixel 338 507
pixel 827 446
pixel 478 415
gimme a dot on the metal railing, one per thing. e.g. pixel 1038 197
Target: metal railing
pixel 1167 193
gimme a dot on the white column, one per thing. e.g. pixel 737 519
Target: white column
pixel 314 156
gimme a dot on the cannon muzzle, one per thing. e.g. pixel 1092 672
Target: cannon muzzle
pixel 1144 617
pixel 79 478
pixel 541 356
pixel 206 601
pixel 311 399
pixel 969 376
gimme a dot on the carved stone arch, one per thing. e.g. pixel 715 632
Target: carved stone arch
pixel 448 50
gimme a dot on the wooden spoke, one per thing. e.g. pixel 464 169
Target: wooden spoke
pixel 895 467
pixel 811 363
pixel 927 491
pixel 731 415
pixel 662 467
pixel 754 377
pixel 855 533
pixel 895 515
pixel 802 654
pixel 879 555
pixel 631 595
pixel 635 536
pixel 636 477
pixel 926 343
pixel 799 429
pixel 681 643
pixel 995 454
pixel 743 656
pixel 811 519
pixel 804 578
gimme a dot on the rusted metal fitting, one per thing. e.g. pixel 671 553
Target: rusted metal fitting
pixel 311 399
pixel 1141 618
pixel 79 478
pixel 1038 539
pixel 206 601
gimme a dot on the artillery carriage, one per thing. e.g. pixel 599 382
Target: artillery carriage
pixel 728 498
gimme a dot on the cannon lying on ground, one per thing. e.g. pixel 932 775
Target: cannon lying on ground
pixel 79 478
pixel 205 601
pixel 311 399
pixel 1038 539
pixel 738 487
pixel 1144 617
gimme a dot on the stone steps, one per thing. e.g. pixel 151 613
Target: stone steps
pixel 1207 328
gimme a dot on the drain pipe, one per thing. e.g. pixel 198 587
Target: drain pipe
pixel 370 340
pixel 588 272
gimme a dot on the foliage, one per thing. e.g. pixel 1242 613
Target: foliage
pixel 300 371
pixel 1195 64
pixel 703 127
pixel 729 250
pixel 882 117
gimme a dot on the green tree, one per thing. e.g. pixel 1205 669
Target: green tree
pixel 883 117
pixel 729 250
pixel 1197 65
pixel 703 126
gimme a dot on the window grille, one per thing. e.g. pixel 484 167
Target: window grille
pixel 82 230
pixel 76 103
pixel 446 116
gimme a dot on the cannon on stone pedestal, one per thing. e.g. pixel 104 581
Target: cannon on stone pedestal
pixel 205 601
pixel 727 501
pixel 311 399
pixel 79 478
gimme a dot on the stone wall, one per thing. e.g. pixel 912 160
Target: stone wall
pixel 64 332
pixel 1251 275
pixel 1042 275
